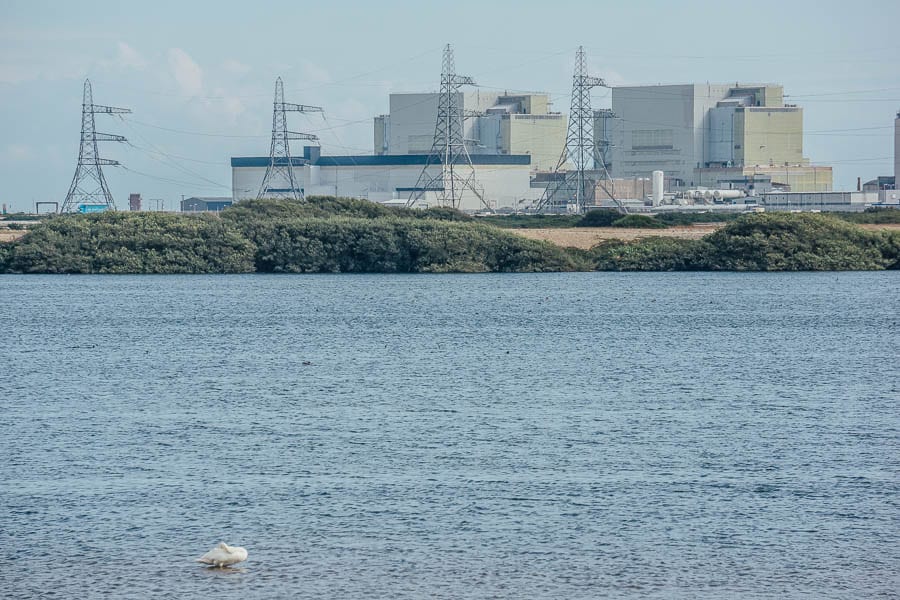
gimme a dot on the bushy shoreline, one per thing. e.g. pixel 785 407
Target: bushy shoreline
pixel 760 242
pixel 339 235
pixel 323 235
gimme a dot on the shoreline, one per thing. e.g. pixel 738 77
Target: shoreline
pixel 583 238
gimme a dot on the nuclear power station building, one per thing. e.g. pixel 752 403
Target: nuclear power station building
pixel 496 125
pixel 508 138
pixel 713 136
pixel 710 135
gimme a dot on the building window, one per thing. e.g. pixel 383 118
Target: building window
pixel 652 139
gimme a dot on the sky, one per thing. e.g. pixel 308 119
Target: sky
pixel 199 76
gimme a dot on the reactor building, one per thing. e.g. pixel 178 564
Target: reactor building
pixel 709 135
pixel 508 138
pixel 496 125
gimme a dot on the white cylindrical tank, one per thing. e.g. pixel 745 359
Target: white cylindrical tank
pixel 656 194
pixel 314 175
pixel 728 194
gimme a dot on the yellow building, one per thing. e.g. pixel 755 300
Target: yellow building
pixel 543 136
pixel 768 136
pixel 791 177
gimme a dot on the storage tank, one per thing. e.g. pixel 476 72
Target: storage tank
pixel 728 194
pixel 314 175
pixel 656 194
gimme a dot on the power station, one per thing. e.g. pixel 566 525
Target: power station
pixel 478 150
pixel 659 147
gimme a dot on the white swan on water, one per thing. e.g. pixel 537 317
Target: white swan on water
pixel 224 555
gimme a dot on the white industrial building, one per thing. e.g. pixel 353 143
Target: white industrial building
pixel 508 137
pixel 505 179
pixel 818 201
pixel 707 134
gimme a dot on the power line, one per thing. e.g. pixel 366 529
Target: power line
pixel 198 133
pixel 164 179
pixel 168 159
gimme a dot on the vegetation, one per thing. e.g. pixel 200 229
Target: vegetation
pixel 875 216
pixel 639 221
pixel 339 235
pixel 602 217
pixel 649 254
pixel 760 242
pixel 329 235
pixel 677 218
pixel 21 217
pixel 322 235
pixel 798 242
pixel 120 242
pixel 538 221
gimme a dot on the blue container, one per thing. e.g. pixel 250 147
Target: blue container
pixel 91 208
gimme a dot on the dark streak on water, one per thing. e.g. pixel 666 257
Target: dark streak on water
pixel 539 436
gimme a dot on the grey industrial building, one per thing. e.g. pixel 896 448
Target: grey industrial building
pixel 710 135
pixel 496 124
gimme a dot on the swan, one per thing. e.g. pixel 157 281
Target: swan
pixel 224 555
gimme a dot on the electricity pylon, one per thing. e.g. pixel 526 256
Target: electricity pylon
pixel 579 150
pixel 457 174
pixel 281 167
pixel 89 185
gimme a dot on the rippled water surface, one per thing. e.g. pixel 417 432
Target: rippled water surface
pixel 490 436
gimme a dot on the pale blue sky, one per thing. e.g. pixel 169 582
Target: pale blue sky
pixel 209 68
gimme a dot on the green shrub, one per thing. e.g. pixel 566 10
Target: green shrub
pixel 440 213
pixel 120 242
pixel 339 235
pixel 350 245
pixel 793 242
pixel 689 218
pixel 638 221
pixel 650 254
pixel 760 242
pixel 872 215
pixel 602 217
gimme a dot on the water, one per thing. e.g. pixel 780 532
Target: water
pixel 510 436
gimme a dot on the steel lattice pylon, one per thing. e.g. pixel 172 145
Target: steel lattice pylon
pixel 448 149
pixel 89 185
pixel 280 169
pixel 579 151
